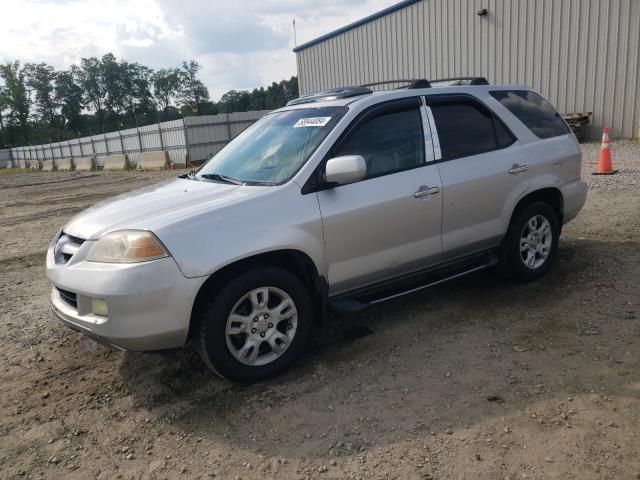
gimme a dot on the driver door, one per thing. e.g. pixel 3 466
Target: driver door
pixel 389 223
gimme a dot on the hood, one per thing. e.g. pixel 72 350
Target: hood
pixel 156 206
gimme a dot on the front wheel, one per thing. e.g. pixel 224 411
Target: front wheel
pixel 256 326
pixel 531 243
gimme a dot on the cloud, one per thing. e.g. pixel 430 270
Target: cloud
pixel 241 44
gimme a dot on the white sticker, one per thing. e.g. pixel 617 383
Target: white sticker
pixel 312 122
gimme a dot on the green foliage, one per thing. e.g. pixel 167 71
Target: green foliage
pixel 40 78
pixel 14 104
pixel 70 98
pixel 39 104
pixel 193 92
pixel 167 84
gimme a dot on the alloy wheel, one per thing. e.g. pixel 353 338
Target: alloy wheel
pixel 261 326
pixel 535 242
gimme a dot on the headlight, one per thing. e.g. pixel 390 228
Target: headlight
pixel 127 246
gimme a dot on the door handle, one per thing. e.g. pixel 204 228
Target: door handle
pixel 424 191
pixel 518 168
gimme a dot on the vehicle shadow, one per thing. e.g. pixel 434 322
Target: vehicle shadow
pixel 476 348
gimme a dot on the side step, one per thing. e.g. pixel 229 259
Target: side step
pixel 362 298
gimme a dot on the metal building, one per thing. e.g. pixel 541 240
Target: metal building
pixel 583 55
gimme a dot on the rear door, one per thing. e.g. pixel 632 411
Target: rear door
pixel 390 222
pixel 483 168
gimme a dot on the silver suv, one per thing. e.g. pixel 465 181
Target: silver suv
pixel 341 199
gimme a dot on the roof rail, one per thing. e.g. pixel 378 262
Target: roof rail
pixel 463 80
pixel 413 83
pixel 332 94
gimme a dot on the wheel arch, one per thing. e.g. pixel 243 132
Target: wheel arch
pixel 550 195
pixel 294 261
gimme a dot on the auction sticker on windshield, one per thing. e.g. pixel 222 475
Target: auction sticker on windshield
pixel 312 122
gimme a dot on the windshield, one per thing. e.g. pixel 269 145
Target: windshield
pixel 273 149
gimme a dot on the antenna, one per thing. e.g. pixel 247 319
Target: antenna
pixel 295 39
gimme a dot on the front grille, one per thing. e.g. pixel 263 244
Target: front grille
pixel 66 247
pixel 68 297
pixel 77 240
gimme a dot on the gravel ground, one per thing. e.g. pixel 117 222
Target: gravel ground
pixel 626 159
pixel 478 378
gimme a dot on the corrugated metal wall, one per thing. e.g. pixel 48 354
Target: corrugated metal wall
pixel 207 134
pixel 5 158
pixel 168 136
pixel 583 55
pixel 195 137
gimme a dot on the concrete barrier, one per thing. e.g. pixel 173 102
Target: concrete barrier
pixel 34 164
pixel 83 164
pixel 117 161
pixel 153 160
pixel 63 164
pixel 22 163
pixel 47 165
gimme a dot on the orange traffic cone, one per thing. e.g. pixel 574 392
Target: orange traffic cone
pixel 604 162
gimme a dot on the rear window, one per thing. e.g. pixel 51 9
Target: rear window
pixel 466 128
pixel 534 111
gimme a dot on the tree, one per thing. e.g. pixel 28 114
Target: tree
pixel 193 92
pixel 136 85
pixel 167 85
pixel 92 82
pixel 108 93
pixel 258 99
pixel 15 99
pixel 4 139
pixel 235 101
pixel 40 78
pixel 114 79
pixel 70 98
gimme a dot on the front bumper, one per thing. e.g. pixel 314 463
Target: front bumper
pixel 574 196
pixel 149 303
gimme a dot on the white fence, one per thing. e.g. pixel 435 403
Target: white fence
pixel 5 158
pixel 192 139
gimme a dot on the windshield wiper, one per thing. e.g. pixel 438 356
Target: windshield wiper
pixel 221 178
pixel 190 176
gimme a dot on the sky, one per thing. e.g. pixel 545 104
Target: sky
pixel 241 44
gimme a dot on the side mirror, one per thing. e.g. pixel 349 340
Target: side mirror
pixel 345 169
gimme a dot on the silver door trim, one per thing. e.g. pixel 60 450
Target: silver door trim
pixel 434 133
pixel 517 168
pixel 425 190
pixel 431 284
pixel 428 141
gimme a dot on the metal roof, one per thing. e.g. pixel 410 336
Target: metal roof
pixel 351 26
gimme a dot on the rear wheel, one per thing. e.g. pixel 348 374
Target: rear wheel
pixel 531 243
pixel 256 326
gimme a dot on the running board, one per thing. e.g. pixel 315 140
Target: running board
pixel 378 293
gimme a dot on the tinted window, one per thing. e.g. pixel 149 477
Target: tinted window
pixel 534 111
pixel 389 142
pixel 466 129
pixel 504 138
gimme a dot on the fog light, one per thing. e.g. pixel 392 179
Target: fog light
pixel 99 307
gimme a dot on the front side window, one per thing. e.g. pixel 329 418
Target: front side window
pixel 273 149
pixel 389 142
pixel 534 111
pixel 465 129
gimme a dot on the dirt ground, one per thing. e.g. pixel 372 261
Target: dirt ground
pixel 475 379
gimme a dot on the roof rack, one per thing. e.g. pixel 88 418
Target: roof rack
pixel 411 84
pixel 332 94
pixel 346 92
pixel 462 81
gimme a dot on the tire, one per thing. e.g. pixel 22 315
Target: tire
pixel 541 249
pixel 265 336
